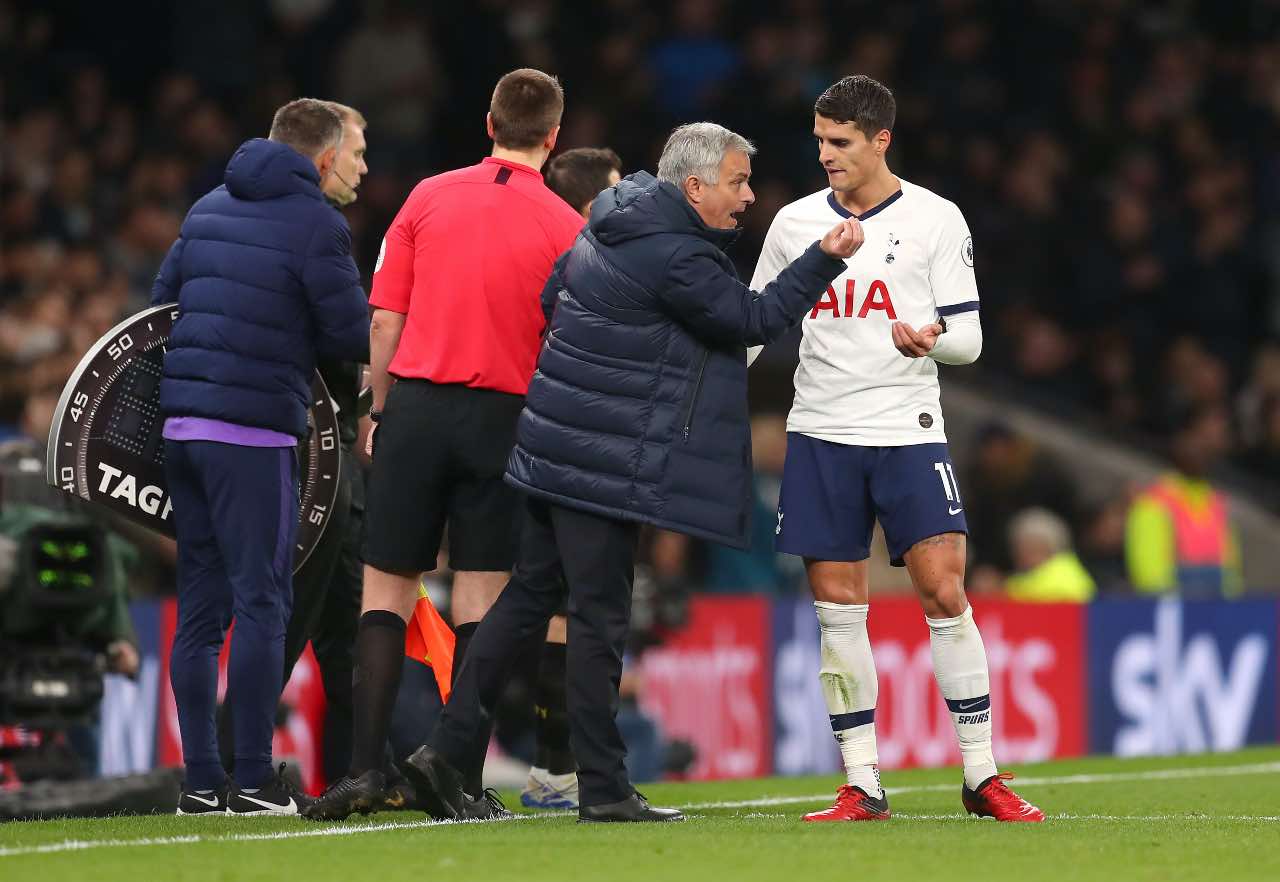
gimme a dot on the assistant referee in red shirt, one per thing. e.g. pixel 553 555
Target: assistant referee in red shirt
pixel 456 330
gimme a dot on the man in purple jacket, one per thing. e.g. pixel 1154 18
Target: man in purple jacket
pixel 263 276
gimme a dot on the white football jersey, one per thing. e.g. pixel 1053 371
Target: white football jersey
pixel 915 265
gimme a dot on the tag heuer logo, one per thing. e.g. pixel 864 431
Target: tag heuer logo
pixel 925 421
pixel 966 251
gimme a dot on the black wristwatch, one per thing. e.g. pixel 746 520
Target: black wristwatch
pixel 375 416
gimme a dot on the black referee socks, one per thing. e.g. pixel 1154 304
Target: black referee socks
pixel 375 682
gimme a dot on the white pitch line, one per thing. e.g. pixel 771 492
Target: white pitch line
pixel 83 844
pixel 1096 778
pixel 1101 777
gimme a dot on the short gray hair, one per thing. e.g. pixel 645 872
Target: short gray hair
pixel 308 125
pixel 349 115
pixel 697 149
pixel 1041 524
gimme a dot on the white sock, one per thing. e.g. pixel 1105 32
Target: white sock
pixel 960 667
pixel 850 686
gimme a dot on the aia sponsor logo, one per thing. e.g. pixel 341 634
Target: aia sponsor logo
pixel 875 297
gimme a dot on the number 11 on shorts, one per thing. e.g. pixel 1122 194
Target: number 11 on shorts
pixel 949 486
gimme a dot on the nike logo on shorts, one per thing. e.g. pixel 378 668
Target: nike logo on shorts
pixel 954 511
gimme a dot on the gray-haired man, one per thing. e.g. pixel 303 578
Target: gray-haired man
pixel 637 414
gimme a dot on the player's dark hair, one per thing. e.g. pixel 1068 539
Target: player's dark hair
pixel 577 176
pixel 307 125
pixel 860 100
pixel 526 106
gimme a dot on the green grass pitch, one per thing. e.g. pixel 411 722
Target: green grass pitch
pixel 1198 817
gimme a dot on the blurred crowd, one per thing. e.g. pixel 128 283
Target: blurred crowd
pixel 1118 162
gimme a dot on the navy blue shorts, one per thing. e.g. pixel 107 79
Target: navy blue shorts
pixel 833 494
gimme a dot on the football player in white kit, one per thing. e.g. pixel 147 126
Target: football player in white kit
pixel 865 440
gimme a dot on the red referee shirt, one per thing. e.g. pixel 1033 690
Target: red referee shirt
pixel 465 260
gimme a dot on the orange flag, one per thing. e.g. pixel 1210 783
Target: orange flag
pixel 429 640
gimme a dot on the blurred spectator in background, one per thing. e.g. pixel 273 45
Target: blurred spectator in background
pixel 389 69
pixel 1102 544
pixel 1179 536
pixel 1046 568
pixel 1263 455
pixel 1009 473
pixel 1262 387
pixel 691 64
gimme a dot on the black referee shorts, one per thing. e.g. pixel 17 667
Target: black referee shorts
pixel 439 454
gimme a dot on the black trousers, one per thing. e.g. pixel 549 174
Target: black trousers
pixel 593 559
pixel 326 612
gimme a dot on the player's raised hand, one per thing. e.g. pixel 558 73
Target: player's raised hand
pixel 843 240
pixel 913 343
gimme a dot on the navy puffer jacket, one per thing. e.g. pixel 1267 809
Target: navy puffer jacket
pixel 638 408
pixel 263 276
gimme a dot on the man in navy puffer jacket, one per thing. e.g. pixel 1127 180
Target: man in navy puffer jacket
pixel 264 280
pixel 637 414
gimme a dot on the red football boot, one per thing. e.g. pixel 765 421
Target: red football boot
pixel 853 804
pixel 993 799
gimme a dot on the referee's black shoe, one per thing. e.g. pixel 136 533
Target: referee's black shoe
pixel 349 795
pixel 439 786
pixel 632 809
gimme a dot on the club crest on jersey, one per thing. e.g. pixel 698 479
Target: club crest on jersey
pixel 894 242
pixel 966 251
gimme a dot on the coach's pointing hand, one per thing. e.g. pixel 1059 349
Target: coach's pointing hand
pixel 843 240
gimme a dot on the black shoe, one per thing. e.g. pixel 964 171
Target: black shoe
pixel 634 808
pixel 438 785
pixel 203 802
pixel 487 807
pixel 348 795
pixel 276 796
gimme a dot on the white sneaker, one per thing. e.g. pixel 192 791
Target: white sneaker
pixel 544 790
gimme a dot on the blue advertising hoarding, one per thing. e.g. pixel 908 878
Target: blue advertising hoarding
pixel 1169 676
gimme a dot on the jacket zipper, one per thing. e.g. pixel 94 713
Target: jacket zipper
pixel 693 399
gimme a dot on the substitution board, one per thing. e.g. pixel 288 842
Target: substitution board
pixel 106 444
